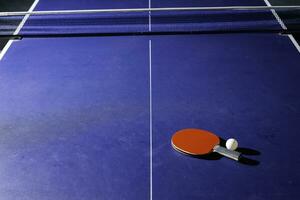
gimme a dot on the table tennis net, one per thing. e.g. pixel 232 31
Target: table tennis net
pixel 150 23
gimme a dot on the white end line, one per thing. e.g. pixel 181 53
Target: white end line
pixel 283 26
pixel 16 32
pixel 150 117
pixel 66 12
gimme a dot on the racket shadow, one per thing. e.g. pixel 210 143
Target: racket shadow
pixel 243 160
pixel 211 156
pixel 216 156
pixel 248 161
pixel 245 152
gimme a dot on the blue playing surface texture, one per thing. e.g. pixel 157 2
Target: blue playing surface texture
pixel 92 117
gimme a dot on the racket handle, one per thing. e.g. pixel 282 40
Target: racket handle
pixel 226 152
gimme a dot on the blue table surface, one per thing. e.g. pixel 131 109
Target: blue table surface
pixel 77 115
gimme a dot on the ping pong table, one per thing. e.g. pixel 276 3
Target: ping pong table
pixel 92 117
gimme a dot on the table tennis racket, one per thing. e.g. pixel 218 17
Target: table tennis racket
pixel 199 142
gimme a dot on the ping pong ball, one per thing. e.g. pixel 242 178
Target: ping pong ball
pixel 231 144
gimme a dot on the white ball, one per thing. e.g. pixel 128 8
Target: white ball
pixel 231 144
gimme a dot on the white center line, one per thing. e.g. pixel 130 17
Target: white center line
pixel 16 32
pixel 150 102
pixel 150 115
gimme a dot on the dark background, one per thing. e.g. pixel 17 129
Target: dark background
pixel 286 17
pixel 13 5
